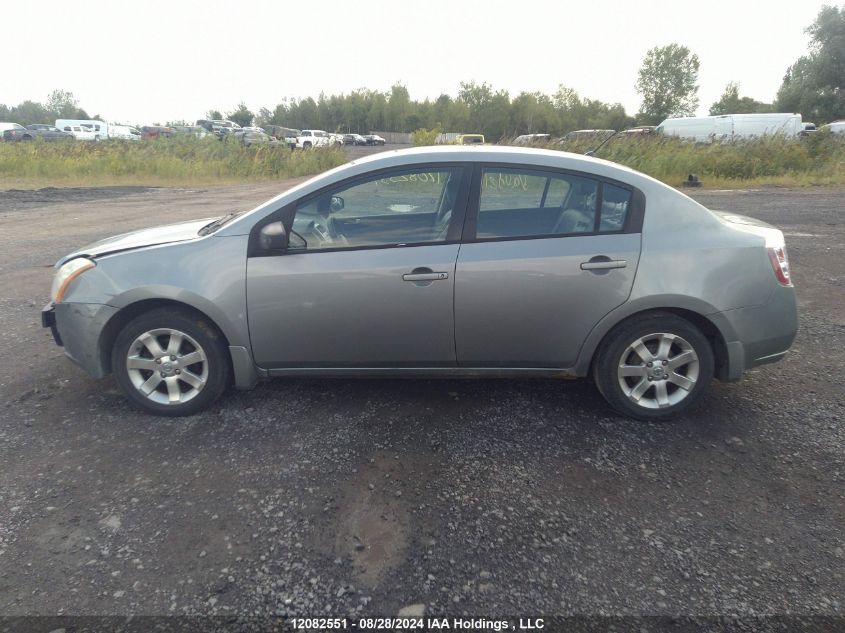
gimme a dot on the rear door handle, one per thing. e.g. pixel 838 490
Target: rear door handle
pixel 432 276
pixel 602 265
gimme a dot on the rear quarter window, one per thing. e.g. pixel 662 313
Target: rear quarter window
pixel 615 203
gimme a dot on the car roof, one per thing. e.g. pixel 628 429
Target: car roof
pixel 483 153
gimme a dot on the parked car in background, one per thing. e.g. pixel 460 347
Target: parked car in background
pixel 254 136
pixel 313 138
pixel 284 135
pixel 446 138
pixel 809 128
pixel 219 127
pixel 437 261
pixel 99 129
pixel 836 127
pixel 580 135
pixel 15 132
pixel 124 132
pixel 354 139
pixel 48 132
pixel 641 130
pixel 728 127
pixel 191 130
pixel 470 139
pixel 156 131
pixel 374 139
pixel 226 126
pixel 80 132
pixel 531 139
pixel 208 126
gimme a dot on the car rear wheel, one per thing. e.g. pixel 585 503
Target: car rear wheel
pixel 653 367
pixel 171 362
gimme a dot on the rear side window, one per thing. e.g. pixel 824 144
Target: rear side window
pixel 532 203
pixel 522 203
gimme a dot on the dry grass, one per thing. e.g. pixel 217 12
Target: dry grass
pixel 818 160
pixel 155 162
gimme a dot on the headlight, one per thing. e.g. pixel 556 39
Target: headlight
pixel 67 273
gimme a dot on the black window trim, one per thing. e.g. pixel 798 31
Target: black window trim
pixel 633 221
pixel 286 213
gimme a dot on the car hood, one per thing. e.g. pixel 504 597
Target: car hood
pixel 166 234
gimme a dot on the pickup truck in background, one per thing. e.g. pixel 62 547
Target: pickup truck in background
pixel 313 138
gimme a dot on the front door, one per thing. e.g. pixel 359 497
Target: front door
pixel 368 277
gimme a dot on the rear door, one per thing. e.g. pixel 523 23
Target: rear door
pixel 545 256
pixel 368 277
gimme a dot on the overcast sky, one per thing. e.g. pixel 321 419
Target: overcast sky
pixel 154 61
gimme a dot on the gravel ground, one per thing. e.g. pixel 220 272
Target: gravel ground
pixel 478 497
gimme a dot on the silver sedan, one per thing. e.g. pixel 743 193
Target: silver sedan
pixel 450 261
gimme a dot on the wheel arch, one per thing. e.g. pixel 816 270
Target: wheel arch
pixel 692 310
pixel 109 333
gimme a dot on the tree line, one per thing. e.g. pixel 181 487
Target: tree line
pixel 667 83
pixel 60 104
pixel 477 108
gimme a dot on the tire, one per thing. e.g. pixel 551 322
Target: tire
pixel 681 366
pixel 160 345
pixel 306 145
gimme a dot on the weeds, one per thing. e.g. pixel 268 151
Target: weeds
pixel 818 159
pixel 161 161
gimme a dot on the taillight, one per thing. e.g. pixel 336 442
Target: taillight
pixel 780 264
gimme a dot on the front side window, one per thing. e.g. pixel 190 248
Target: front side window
pixel 395 208
pixel 533 203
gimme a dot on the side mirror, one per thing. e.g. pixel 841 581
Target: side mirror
pixel 273 237
pixel 336 204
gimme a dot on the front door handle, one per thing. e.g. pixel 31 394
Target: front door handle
pixel 432 276
pixel 603 264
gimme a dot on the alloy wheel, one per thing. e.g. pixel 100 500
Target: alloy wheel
pixel 167 366
pixel 658 370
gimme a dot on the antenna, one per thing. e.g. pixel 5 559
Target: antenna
pixel 592 152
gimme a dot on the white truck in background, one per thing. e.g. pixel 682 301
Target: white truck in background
pixel 80 132
pixel 94 130
pixel 728 127
pixel 126 132
pixel 313 138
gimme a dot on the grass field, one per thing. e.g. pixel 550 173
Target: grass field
pixel 155 162
pixel 817 160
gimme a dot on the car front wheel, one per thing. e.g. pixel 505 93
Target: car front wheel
pixel 653 367
pixel 171 362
